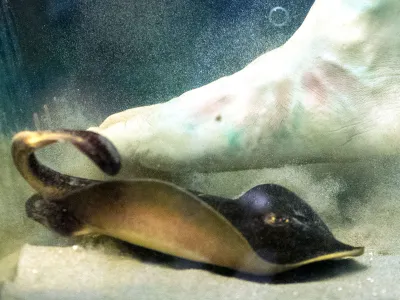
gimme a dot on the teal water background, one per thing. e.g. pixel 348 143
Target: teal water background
pixel 118 55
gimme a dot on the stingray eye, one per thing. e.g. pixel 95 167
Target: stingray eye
pixel 274 220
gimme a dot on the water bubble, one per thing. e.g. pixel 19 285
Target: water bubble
pixel 278 16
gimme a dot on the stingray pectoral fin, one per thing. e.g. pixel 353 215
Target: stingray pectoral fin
pixel 340 254
pixel 220 231
pixel 167 218
pixel 153 214
pixel 48 182
pixel 356 251
pixel 237 234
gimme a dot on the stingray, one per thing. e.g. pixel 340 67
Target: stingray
pixel 266 230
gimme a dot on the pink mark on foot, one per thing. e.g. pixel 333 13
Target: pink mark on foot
pixel 316 93
pixel 328 79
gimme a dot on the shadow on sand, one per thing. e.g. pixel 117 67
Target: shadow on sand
pixel 319 271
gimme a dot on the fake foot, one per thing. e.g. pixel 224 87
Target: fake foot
pixel 329 94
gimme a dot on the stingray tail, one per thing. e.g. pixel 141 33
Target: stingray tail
pixel 48 182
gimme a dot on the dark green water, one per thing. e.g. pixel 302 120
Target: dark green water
pixel 126 54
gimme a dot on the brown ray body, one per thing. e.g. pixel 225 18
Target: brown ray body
pixel 265 231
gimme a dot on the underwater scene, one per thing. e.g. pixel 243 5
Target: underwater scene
pixel 206 149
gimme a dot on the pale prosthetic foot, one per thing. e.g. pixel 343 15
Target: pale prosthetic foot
pixel 329 94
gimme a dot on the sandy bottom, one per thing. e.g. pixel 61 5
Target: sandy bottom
pixel 81 273
pixel 358 201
